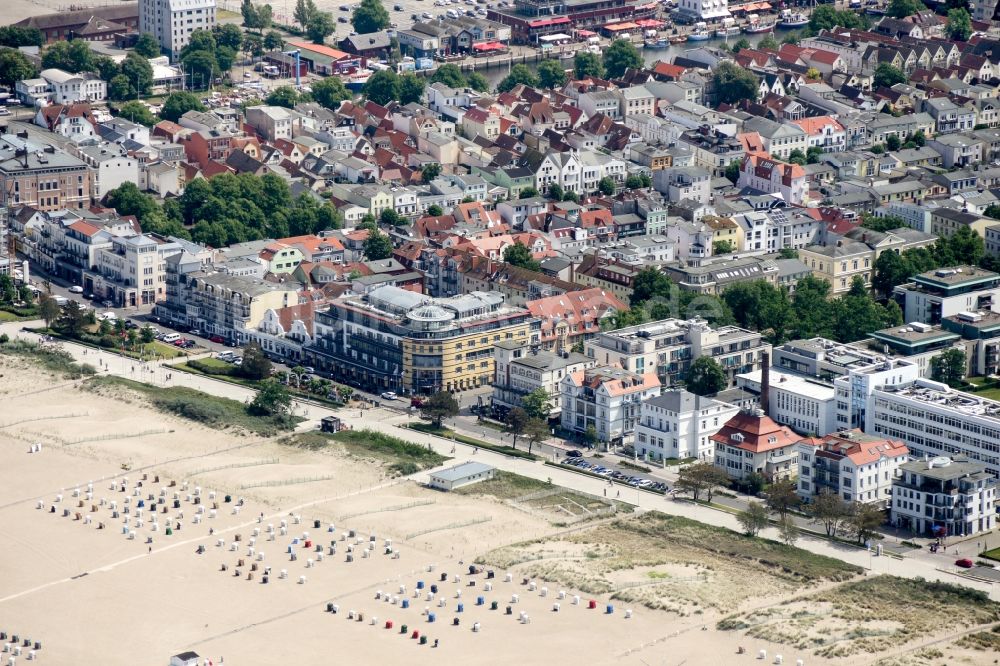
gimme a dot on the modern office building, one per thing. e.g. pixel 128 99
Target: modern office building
pixel 171 22
pixel 944 497
pixel 400 340
pixel 669 346
pixel 852 465
pixel 807 406
pixel 935 420
pixel 680 425
pixel 945 292
pixel 607 399
pixel 981 333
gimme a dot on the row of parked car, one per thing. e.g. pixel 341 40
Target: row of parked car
pixel 612 474
pixel 230 357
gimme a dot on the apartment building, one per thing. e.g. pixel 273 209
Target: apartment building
pixel 228 305
pixel 132 271
pixel 946 292
pixel 669 346
pixel 171 22
pixel 607 399
pixel 567 319
pixel 944 496
pixel 678 424
pixel 935 420
pixel 806 405
pixel 980 332
pixel 852 465
pixel 37 175
pixel 400 340
pixel 520 369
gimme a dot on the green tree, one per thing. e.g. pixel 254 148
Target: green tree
pixel 797 157
pixel 14 67
pixel 370 16
pixel 137 112
pixel 586 64
pixel 519 74
pixel 120 89
pixel 606 186
pixel 761 306
pixel 138 71
pixel 788 253
pixel 147 46
pixel 382 87
pixel 256 17
pixel 887 76
pixel 706 376
pixel 882 224
pixel 200 40
pixel 411 88
pixel 200 66
pixel 285 96
pixel 551 74
pixel 518 254
pixel 106 68
pixel 225 56
pixel 648 283
pixel 949 367
pixel 752 519
pixel 517 423
pixel 72 319
pixel 992 211
pixel 734 83
pixel 478 82
pixel 782 496
pixel 304 10
pixel 527 192
pixel 788 530
pixel 621 55
pixel 438 407
pixel 390 217
pixel 825 17
pixel 330 92
pixel 8 293
pixel 72 56
pixel 967 247
pixel 14 36
pixel 178 103
pixel 892 142
pixel 723 247
pixel 740 44
pixel 377 246
pixel 320 27
pixel 813 154
pixel 48 310
pixel 891 270
pixel 589 437
pixel 228 34
pixel 274 41
pixel 733 171
pixel 450 75
pixel 146 335
pixel 903 8
pixel 430 171
pixel 555 191
pixel 433 210
pixel 769 42
pixel 256 365
pixel 701 477
pixel 864 520
pixel 537 431
pixel 537 404
pixel 272 399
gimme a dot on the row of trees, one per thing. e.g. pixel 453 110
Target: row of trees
pixel 228 209
pixel 451 75
pixel 386 86
pixel 891 269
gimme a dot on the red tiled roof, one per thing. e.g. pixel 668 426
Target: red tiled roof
pixel 754 433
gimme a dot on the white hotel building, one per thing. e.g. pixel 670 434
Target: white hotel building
pixel 953 496
pixel 935 420
pixel 807 406
pixel 171 22
pixel 680 424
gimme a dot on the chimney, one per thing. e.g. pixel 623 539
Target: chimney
pixel 765 380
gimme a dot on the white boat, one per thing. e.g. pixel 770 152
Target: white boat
pixel 727 29
pixel 756 25
pixel 790 19
pixel 700 33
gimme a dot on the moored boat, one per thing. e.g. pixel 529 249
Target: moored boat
pixel 700 33
pixel 790 19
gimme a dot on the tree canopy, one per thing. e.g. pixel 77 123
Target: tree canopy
pixel 518 254
pixel 377 246
pixel 438 407
pixel 587 64
pixel 370 16
pixel 959 25
pixel 320 26
pixel 903 8
pixel 551 74
pixel 825 17
pixel 72 56
pixel 519 74
pixel 137 112
pixel 706 376
pixel 887 76
pixel 330 92
pixel 949 367
pixel 147 46
pixel 14 67
pixel 178 103
pixel 618 57
pixel 15 36
pixel 734 83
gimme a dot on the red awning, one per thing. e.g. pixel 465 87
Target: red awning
pixel 489 46
pixel 541 23
pixel 585 33
pixel 649 23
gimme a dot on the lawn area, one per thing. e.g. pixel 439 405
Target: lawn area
pixel 992 554
pixel 197 406
pixel 7 316
pixel 505 485
pixel 209 366
pixel 472 441
pixel 402 457
pixel 164 351
pixel 868 617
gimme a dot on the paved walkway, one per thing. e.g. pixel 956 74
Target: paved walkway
pixel 389 421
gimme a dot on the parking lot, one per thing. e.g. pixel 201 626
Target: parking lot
pixel 614 475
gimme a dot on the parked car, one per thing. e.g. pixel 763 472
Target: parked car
pixel 76 289
pixel 573 453
pixel 388 395
pixel 965 563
